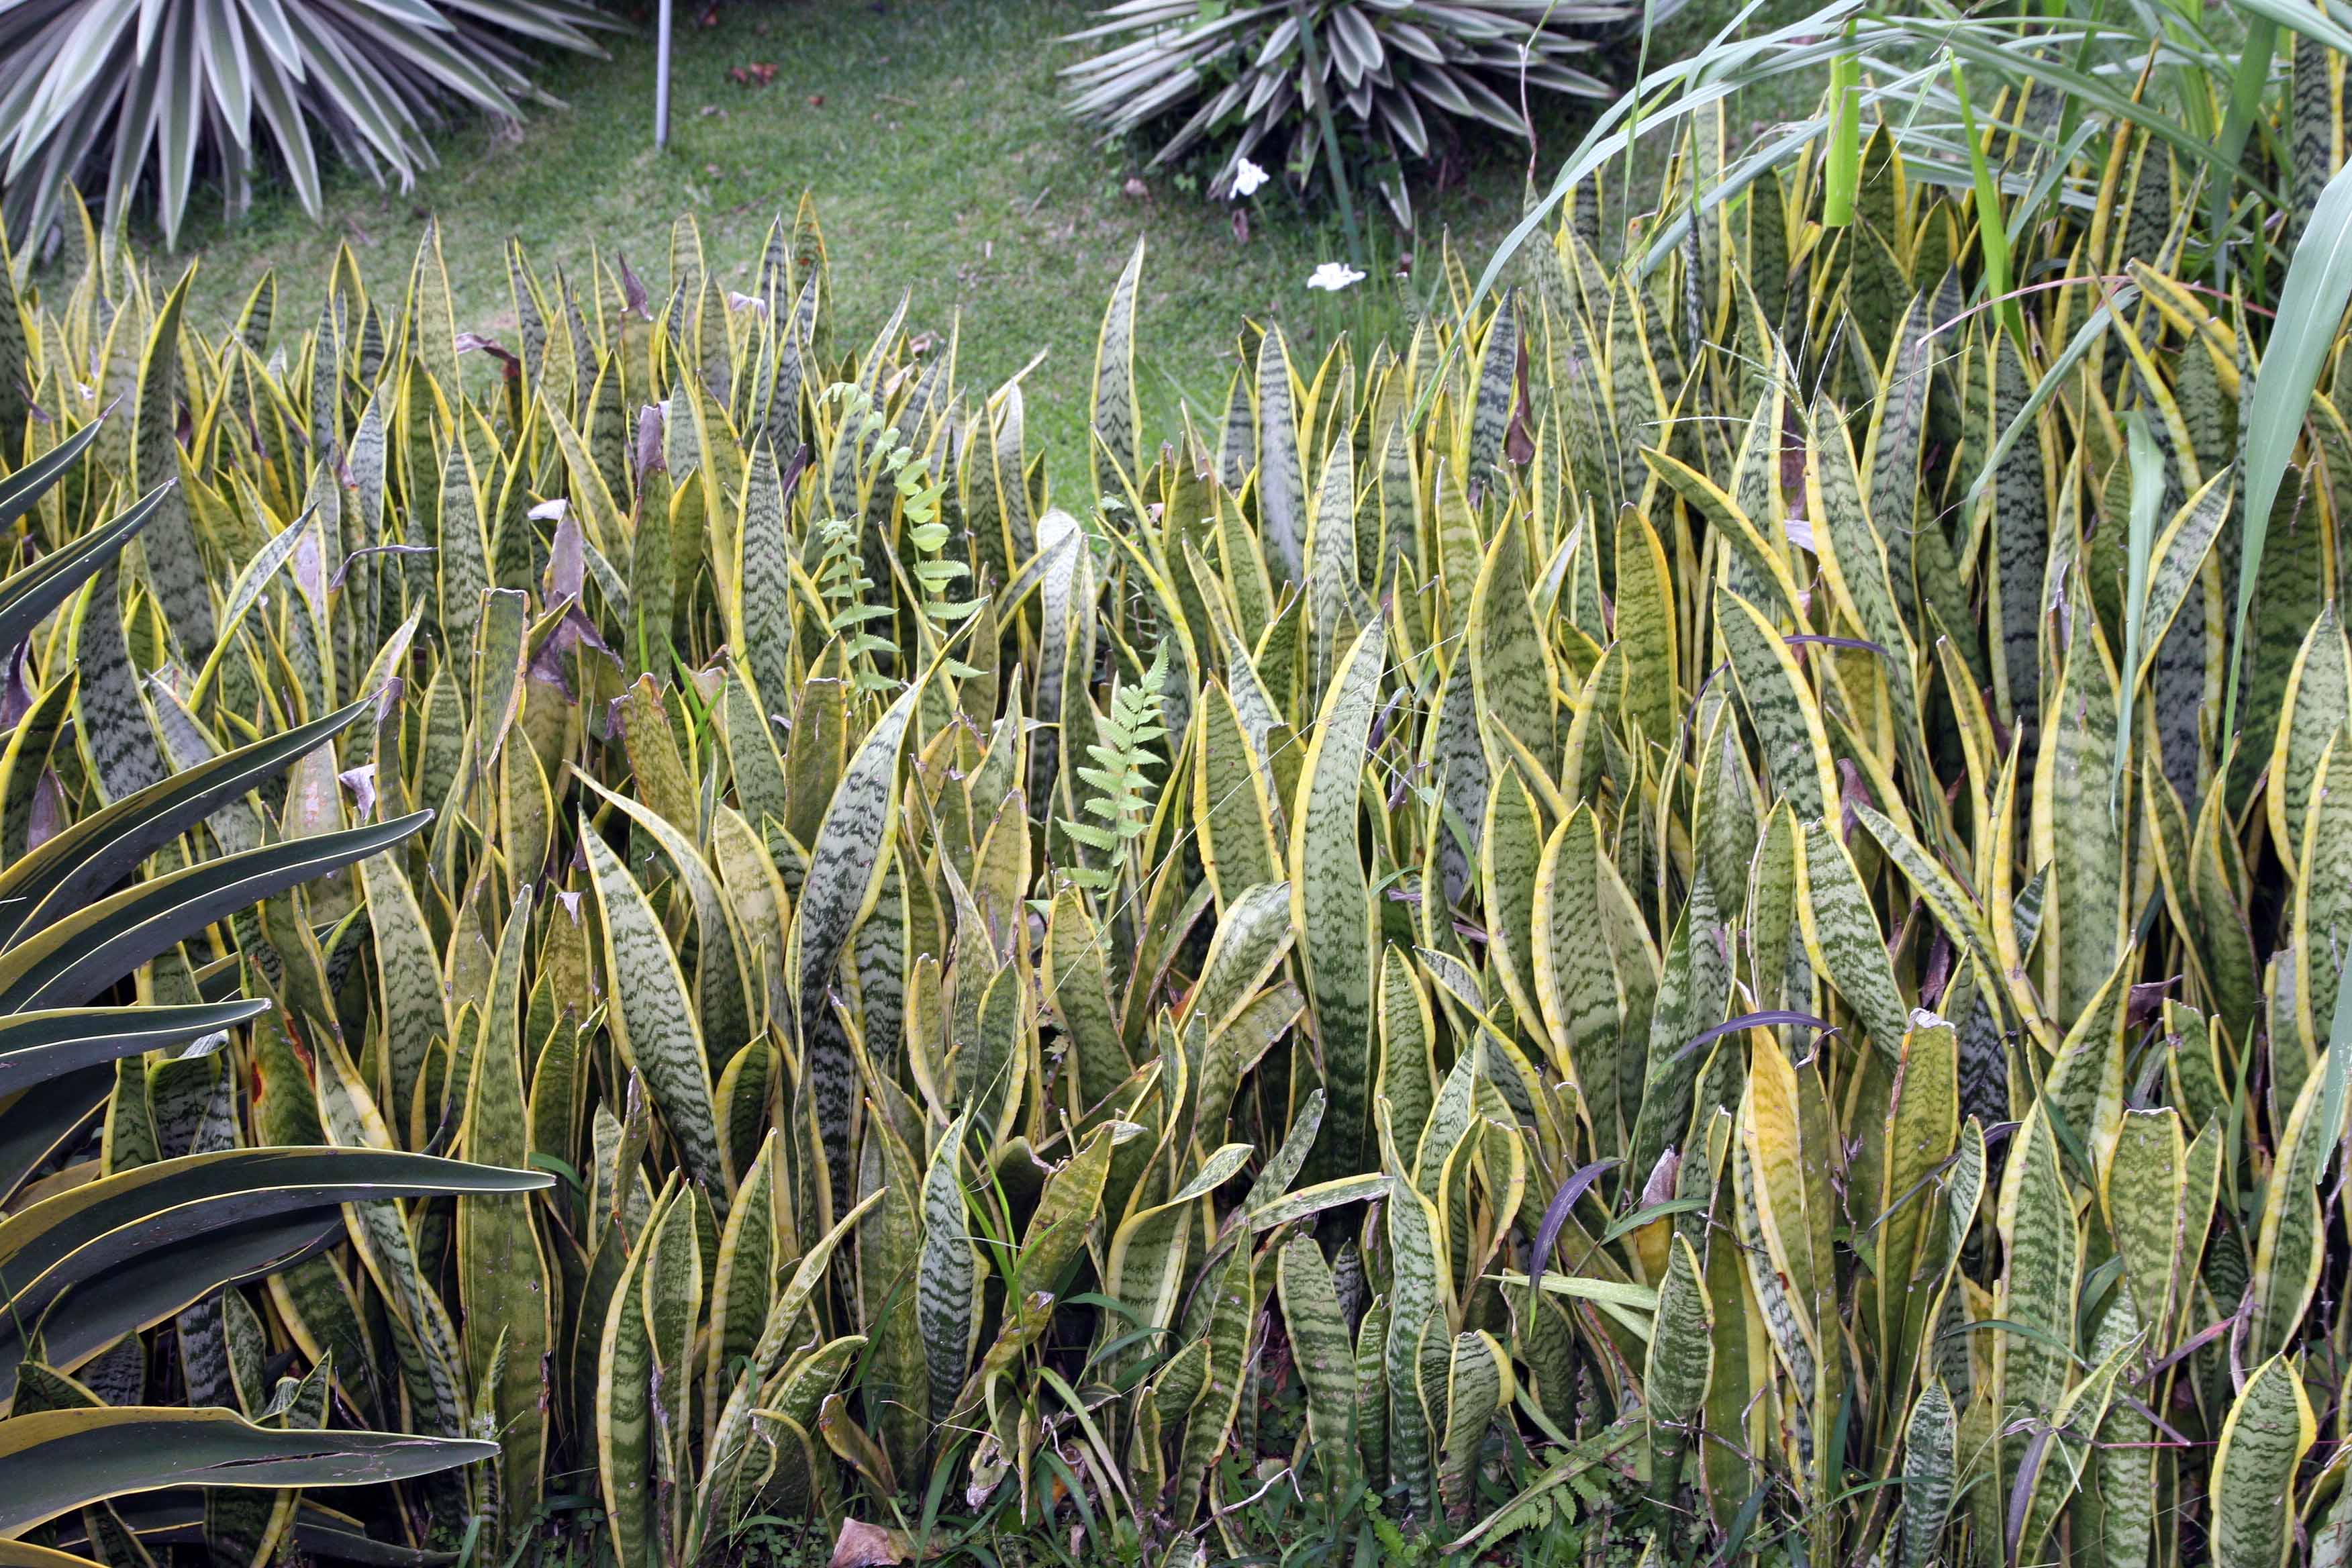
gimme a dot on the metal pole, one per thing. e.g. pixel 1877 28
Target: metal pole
pixel 661 79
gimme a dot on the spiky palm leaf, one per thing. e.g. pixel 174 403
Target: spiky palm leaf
pixel 1399 78
pixel 122 94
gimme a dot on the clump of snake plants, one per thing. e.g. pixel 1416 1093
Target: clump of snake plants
pixel 139 1195
pixel 1701 908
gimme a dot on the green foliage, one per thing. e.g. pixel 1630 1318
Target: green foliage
pixel 129 1203
pixel 1619 931
pixel 1119 781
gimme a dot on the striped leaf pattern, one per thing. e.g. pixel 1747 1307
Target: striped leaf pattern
pixel 1538 933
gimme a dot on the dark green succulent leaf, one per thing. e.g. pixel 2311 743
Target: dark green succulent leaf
pixel 75 959
pixel 19 491
pixel 130 1249
pixel 37 1046
pixel 59 1459
pixel 88 858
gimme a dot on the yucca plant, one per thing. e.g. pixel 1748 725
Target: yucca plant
pixel 1353 90
pixel 120 1220
pixel 123 96
pixel 1668 953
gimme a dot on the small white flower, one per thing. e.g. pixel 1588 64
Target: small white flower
pixel 1247 178
pixel 1334 276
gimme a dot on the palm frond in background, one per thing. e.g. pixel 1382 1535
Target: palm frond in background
pixel 1398 78
pixel 129 94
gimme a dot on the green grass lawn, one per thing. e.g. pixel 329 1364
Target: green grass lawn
pixel 932 134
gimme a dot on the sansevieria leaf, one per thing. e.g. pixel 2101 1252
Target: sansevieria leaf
pixel 2268 1430
pixel 1330 901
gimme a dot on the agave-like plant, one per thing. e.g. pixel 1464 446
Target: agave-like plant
pixel 120 94
pixel 105 1235
pixel 1263 80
